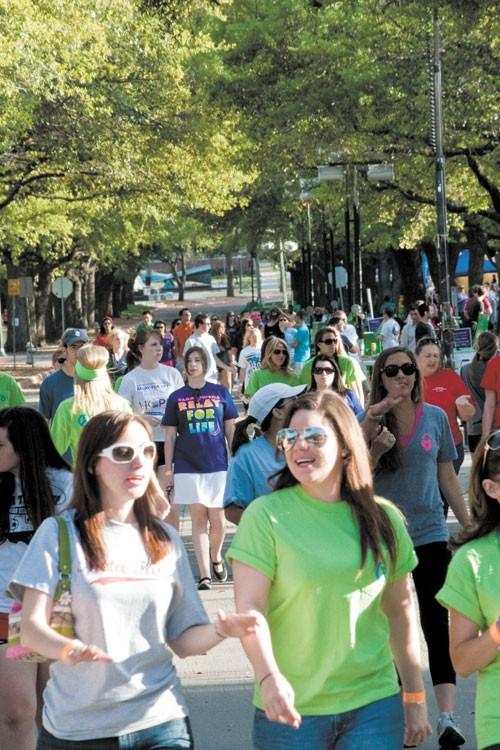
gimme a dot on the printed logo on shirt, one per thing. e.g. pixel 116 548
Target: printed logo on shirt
pixel 439 389
pixel 200 414
pixel 83 419
pixel 380 570
pixel 3 397
pixel 426 442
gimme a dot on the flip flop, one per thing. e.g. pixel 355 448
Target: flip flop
pixel 204 584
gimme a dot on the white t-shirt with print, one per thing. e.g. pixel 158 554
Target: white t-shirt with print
pixel 148 392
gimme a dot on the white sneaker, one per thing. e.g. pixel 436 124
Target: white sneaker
pixel 448 732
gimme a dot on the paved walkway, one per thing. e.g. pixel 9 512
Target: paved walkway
pixel 219 685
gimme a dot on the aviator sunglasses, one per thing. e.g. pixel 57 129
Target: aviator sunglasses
pixel 314 436
pixel 492 444
pixel 123 453
pixel 408 368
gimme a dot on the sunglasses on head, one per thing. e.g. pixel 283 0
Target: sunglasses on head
pixel 408 368
pixel 123 453
pixel 314 436
pixel 279 351
pixel 323 370
pixel 492 444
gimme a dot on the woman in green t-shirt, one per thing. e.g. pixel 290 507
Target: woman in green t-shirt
pixel 327 567
pixel 274 367
pixel 472 592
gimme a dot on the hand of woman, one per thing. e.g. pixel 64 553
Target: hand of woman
pixel 381 408
pixel 381 443
pixel 417 727
pixel 236 626
pixel 76 652
pixel 278 700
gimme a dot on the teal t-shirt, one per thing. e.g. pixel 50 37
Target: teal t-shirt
pixel 472 588
pixel 260 378
pixel 347 370
pixel 330 636
pixel 10 393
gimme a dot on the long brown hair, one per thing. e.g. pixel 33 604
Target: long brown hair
pixel 100 432
pixel 485 510
pixel 375 527
pixel 392 459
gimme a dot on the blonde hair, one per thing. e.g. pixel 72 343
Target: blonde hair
pixel 252 333
pixel 118 333
pixel 269 345
pixel 95 396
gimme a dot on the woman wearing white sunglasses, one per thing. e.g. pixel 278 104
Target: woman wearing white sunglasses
pixel 326 565
pixel 134 602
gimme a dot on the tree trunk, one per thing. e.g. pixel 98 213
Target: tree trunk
pixel 408 275
pixel 42 303
pixel 229 271
pixel 104 288
pixel 90 299
pixel 477 244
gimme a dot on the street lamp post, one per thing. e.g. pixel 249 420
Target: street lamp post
pixel 347 171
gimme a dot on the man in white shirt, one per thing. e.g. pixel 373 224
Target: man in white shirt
pixel 389 331
pixel 202 337
pixel 408 333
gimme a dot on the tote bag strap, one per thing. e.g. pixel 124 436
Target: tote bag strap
pixel 64 558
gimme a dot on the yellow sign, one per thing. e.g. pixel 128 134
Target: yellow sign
pixel 13 287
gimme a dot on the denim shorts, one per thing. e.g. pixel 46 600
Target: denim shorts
pixel 377 726
pixel 172 735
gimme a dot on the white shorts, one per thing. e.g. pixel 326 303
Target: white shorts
pixel 207 489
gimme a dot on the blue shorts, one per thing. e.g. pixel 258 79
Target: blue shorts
pixel 377 726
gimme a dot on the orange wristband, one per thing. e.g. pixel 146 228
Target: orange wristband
pixel 414 697
pixel 494 632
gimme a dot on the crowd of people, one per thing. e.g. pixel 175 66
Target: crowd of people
pixel 338 470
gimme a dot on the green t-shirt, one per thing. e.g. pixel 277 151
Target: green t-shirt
pixel 346 368
pixel 472 588
pixel 10 393
pixel 330 636
pixel 66 427
pixel 260 378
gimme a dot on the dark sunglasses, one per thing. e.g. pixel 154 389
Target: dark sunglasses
pixel 315 436
pixel 328 341
pixel 323 370
pixel 492 444
pixel 408 368
pixel 279 351
pixel 61 360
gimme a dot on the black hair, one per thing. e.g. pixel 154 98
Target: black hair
pixel 29 434
pixel 241 436
pixel 200 318
pixel 337 384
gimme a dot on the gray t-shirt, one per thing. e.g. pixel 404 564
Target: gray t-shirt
pixel 130 610
pixel 414 486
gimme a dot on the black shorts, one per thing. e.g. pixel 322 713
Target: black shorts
pixel 160 452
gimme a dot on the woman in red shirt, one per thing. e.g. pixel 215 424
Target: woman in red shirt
pixel 444 388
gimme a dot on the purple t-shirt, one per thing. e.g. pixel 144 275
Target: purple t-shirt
pixel 199 416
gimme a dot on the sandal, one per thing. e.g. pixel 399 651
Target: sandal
pixel 219 570
pixel 204 584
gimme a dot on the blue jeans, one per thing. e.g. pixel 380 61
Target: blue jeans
pixel 172 735
pixel 377 726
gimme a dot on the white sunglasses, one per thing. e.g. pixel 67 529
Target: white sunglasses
pixel 124 453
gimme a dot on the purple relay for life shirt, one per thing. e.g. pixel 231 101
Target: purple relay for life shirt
pixel 199 416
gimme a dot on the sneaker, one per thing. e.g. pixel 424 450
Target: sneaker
pixel 204 584
pixel 219 570
pixel 448 732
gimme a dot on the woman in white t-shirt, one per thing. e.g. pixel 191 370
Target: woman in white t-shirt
pixel 133 602
pixel 34 482
pixel 147 388
pixel 249 359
